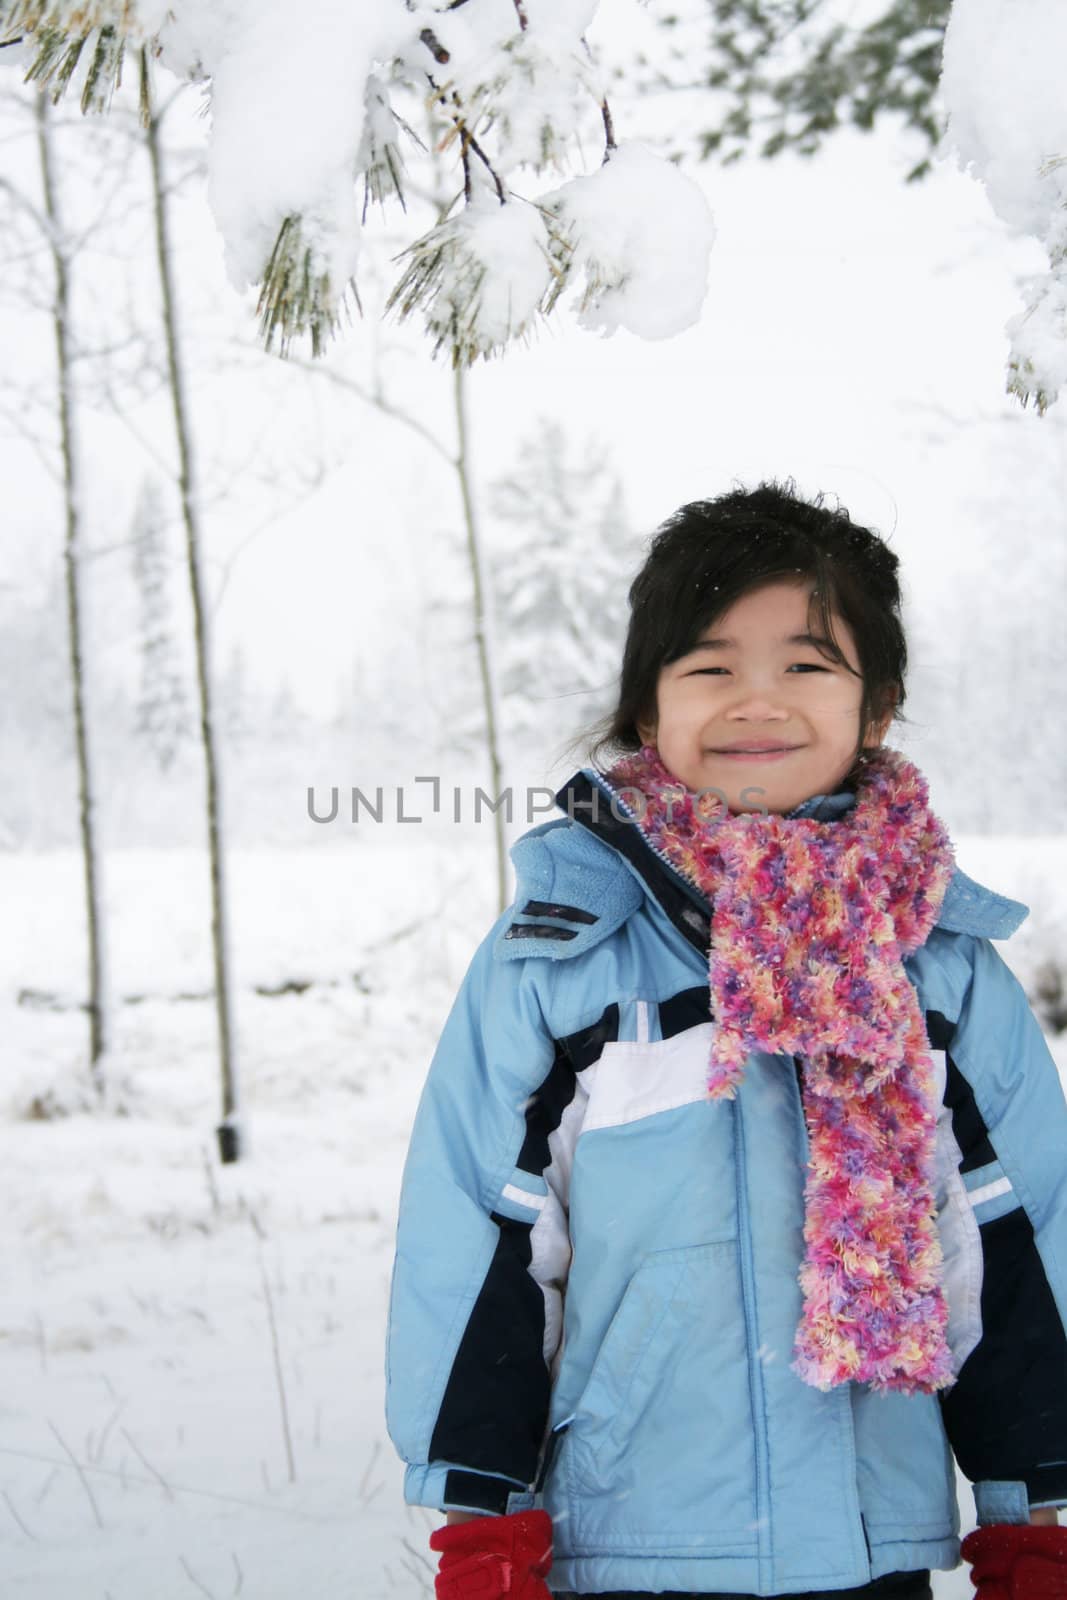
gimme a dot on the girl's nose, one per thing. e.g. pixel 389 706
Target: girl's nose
pixel 755 702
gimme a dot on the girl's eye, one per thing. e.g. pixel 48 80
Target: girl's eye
pixel 802 666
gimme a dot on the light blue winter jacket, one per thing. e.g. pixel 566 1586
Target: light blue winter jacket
pixel 595 1292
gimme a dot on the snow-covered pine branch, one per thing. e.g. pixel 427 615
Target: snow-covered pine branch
pixel 1007 119
pixel 312 116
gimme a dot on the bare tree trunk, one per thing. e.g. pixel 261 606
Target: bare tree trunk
pixel 229 1132
pixel 482 624
pixel 72 556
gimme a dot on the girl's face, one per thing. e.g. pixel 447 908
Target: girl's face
pixel 756 680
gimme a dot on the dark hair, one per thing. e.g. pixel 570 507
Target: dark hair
pixel 711 552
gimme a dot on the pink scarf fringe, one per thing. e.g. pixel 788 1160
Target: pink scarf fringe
pixel 810 922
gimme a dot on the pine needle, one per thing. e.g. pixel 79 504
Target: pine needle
pixel 294 298
pixel 444 280
pixel 105 71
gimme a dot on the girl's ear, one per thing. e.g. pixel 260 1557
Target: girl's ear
pixel 878 730
pixel 646 732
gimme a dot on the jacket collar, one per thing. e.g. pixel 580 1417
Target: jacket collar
pixel 581 875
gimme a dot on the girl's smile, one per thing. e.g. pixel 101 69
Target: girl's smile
pixel 758 691
pixel 745 753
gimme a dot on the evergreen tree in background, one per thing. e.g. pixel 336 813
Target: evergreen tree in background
pixel 787 73
pixel 238 710
pixel 285 720
pixel 444 711
pixel 35 731
pixel 561 555
pixel 162 716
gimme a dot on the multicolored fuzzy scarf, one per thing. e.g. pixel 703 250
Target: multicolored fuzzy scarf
pixel 809 924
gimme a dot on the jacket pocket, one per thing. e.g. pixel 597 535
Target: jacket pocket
pixel 660 1450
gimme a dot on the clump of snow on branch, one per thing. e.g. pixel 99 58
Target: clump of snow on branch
pixel 1003 82
pixel 527 88
pixel 282 156
pixel 481 277
pixel 312 121
pixel 642 233
pixel 380 157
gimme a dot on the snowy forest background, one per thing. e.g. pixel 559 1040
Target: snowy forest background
pixel 191 1351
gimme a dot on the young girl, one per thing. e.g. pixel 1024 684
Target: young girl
pixel 736 1203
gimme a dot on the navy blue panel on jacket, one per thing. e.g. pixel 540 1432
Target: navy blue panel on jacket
pixel 1006 1415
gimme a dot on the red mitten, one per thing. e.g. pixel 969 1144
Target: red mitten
pixel 491 1557
pixel 1017 1561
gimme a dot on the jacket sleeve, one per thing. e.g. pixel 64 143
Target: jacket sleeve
pixel 1006 1416
pixel 482 1250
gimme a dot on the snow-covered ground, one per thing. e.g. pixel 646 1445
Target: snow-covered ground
pixel 143 1450
pixel 135 1332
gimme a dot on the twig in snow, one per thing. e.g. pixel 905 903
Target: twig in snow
pixel 279 1376
pixel 10 1506
pixel 76 1464
pixel 418 1555
pixel 239 1585
pixel 410 1568
pixel 180 1488
pixel 212 1186
pixel 143 1459
pixel 193 1579
pixel 370 1467
pixel 46 1485
pixel 108 1425
pixel 413 1571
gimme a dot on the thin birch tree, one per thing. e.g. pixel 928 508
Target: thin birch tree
pixel 73 560
pixel 161 714
pixel 229 1131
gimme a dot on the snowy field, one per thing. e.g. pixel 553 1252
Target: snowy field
pixel 135 1334
pixel 150 1297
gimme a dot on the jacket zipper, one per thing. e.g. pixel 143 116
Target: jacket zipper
pixel 690 883
pixel 757 1399
pixel 551 1446
pixel 798 1067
